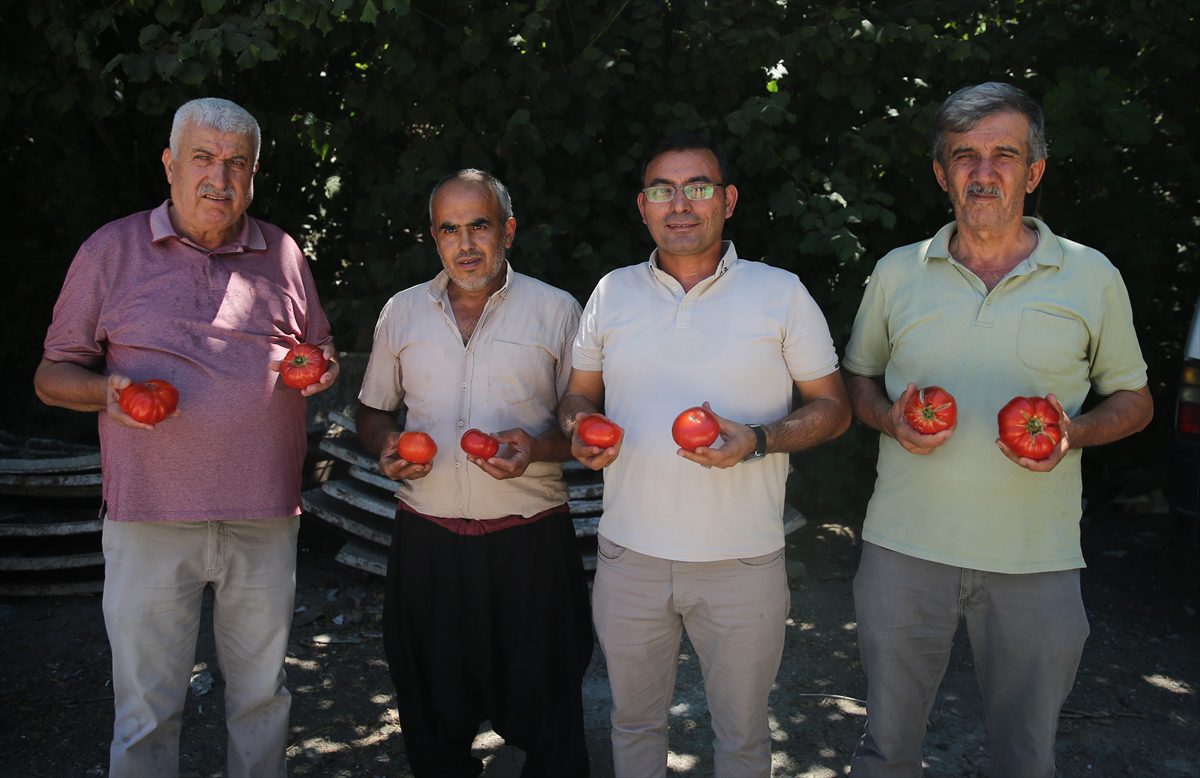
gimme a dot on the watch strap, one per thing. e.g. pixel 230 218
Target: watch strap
pixel 760 442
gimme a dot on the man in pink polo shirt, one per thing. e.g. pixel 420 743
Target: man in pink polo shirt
pixel 199 294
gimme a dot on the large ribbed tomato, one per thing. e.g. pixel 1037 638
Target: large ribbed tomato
pixel 596 430
pixel 694 428
pixel 416 447
pixel 150 401
pixel 1029 426
pixel 479 444
pixel 931 410
pixel 303 365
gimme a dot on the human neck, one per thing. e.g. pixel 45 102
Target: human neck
pixel 208 239
pixel 993 250
pixel 690 270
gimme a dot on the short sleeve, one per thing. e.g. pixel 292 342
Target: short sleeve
pixel 1116 357
pixel 381 386
pixel 75 333
pixel 588 353
pixel 807 345
pixel 868 351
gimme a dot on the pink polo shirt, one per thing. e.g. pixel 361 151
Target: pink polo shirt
pixel 142 301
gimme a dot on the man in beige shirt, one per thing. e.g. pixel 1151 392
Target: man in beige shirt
pixel 486 613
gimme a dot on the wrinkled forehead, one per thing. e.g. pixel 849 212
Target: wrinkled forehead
pixel 464 202
pixel 196 136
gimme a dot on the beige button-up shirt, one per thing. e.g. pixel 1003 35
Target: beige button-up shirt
pixel 511 373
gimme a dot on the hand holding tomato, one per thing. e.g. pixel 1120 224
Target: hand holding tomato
pixel 1033 432
pixel 931 410
pixel 309 368
pixel 303 365
pixel 416 447
pixel 519 449
pixel 597 430
pixel 910 439
pixel 696 425
pixel 594 456
pixel 394 463
pixel 479 444
pixel 148 402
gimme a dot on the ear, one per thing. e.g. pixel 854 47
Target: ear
pixel 731 198
pixel 940 174
pixel 1036 171
pixel 641 201
pixel 167 159
pixel 510 231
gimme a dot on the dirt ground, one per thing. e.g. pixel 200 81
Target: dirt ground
pixel 1135 710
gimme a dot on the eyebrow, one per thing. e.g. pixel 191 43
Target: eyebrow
pixel 967 147
pixel 480 222
pixel 692 180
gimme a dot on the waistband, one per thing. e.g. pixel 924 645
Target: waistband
pixel 483 526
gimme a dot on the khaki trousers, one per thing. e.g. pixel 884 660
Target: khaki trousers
pixel 1027 633
pixel 734 612
pixel 154 579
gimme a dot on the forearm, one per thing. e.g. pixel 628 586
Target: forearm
pixel 551 446
pixel 374 426
pixel 1117 416
pixel 869 402
pixel 570 405
pixel 822 419
pixel 68 385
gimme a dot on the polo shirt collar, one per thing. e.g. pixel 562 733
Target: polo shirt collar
pixel 1048 251
pixel 728 258
pixel 251 237
pixel 441 282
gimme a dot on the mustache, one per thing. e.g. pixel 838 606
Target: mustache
pixel 983 190
pixel 209 189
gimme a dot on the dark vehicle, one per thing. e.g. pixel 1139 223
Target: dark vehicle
pixel 1184 489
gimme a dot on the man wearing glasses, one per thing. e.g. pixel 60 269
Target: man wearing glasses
pixel 694 539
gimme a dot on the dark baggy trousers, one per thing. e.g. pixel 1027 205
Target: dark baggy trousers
pixel 488 626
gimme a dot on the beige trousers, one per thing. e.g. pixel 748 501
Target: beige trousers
pixel 734 612
pixel 154 579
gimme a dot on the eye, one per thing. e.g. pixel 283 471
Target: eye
pixel 659 194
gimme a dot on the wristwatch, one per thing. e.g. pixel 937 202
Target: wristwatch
pixel 760 443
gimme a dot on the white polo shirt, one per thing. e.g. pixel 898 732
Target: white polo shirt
pixel 511 373
pixel 739 339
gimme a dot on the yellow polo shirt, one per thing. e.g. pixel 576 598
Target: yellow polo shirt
pixel 1059 322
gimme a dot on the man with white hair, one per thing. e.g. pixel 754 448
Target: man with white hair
pixel 198 294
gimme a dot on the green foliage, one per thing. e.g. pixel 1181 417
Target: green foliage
pixel 825 109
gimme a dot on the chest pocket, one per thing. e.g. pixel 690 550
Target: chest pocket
pixel 521 372
pixel 1049 342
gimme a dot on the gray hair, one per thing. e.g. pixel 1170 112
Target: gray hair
pixel 967 107
pixel 216 114
pixel 480 178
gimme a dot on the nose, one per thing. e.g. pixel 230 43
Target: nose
pixel 218 175
pixel 679 201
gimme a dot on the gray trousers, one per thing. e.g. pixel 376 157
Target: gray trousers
pixel 734 611
pixel 1027 634
pixel 154 579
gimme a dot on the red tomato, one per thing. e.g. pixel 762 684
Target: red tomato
pixel 479 444
pixel 416 447
pixel 931 410
pixel 150 401
pixel 695 427
pixel 303 365
pixel 595 430
pixel 1029 426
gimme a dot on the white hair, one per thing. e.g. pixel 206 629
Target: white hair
pixel 216 114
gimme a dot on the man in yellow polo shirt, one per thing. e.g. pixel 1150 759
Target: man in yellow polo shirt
pixel 960 527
